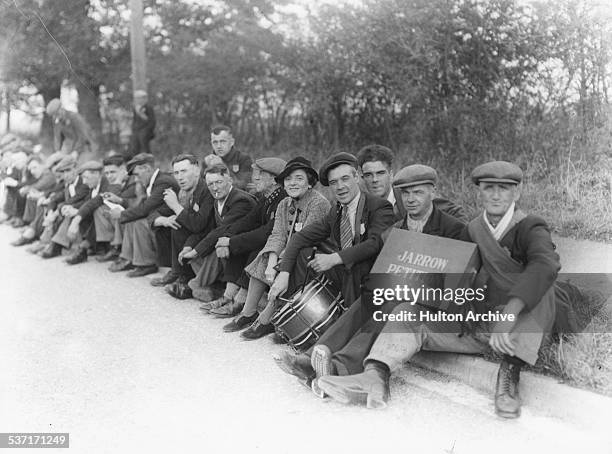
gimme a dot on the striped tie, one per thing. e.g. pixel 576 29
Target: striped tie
pixel 346 234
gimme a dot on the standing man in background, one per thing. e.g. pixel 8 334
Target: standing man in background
pixel 143 125
pixel 71 133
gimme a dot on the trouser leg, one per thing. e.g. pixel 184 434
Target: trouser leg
pixel 144 244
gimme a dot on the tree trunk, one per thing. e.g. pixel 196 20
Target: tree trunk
pixel 89 107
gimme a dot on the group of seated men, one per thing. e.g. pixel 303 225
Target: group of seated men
pixel 207 222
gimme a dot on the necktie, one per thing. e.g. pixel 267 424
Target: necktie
pixel 346 233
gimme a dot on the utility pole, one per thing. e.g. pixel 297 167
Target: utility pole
pixel 137 46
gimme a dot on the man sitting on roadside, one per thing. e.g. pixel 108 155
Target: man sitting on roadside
pixel 519 269
pixel 138 250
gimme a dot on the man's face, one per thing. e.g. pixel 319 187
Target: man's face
pixel 377 177
pixel 115 174
pixel 36 169
pixel 497 197
pixel 91 178
pixel 418 199
pixel 186 174
pixel 218 185
pixel 222 143
pixel 69 175
pixel 344 182
pixel 143 173
pixel 262 180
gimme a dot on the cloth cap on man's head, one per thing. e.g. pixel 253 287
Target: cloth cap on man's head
pixel 415 175
pixel 114 160
pixel 497 172
pixel 67 163
pixel 141 158
pixel 140 94
pixel 335 161
pixel 53 106
pixel 296 164
pixel 271 165
pixel 94 166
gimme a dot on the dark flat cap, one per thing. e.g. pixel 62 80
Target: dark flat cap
pixel 295 164
pixel 141 158
pixel 95 166
pixel 114 160
pixel 335 161
pixel 271 165
pixel 67 162
pixel 415 175
pixel 497 172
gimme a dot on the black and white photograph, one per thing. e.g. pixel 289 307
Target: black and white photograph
pixel 306 226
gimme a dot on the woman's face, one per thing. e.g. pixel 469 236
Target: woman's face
pixel 296 183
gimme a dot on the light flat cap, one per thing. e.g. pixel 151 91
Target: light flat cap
pixel 335 161
pixel 94 166
pixel 53 106
pixel 141 158
pixel 497 172
pixel 271 165
pixel 66 163
pixel 415 175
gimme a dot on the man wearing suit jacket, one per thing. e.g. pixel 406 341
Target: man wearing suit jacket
pixel 343 347
pixel 230 205
pixel 376 165
pixel 64 205
pixel 354 227
pixel 82 224
pixel 188 213
pixel 138 250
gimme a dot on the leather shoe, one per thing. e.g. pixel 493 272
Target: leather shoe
pixel 18 223
pixel 213 304
pixel 112 254
pixel 120 265
pixel 143 271
pixel 166 279
pixel 179 290
pixel 36 247
pixel 507 398
pixel 52 250
pixel 296 365
pixel 229 310
pixel 257 330
pixel 206 294
pixel 369 388
pixel 240 323
pixel 79 257
pixel 22 241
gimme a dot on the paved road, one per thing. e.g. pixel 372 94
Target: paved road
pixel 124 368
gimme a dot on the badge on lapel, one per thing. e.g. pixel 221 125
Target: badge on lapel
pixel 196 207
pixel 298 226
pixel 235 168
pixel 362 229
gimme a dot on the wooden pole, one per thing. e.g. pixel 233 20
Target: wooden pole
pixel 137 46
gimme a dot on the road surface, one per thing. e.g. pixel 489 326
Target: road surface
pixel 125 368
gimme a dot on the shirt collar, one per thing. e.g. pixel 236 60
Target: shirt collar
pixel 150 187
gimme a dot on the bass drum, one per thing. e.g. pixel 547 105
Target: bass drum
pixel 308 313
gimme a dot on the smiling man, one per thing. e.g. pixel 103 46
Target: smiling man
pixel 519 269
pixel 354 227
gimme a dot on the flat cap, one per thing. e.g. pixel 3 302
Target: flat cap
pixel 95 166
pixel 271 165
pixel 335 161
pixel 415 175
pixel 497 172
pixel 67 162
pixel 53 106
pixel 114 160
pixel 141 158
pixel 140 94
